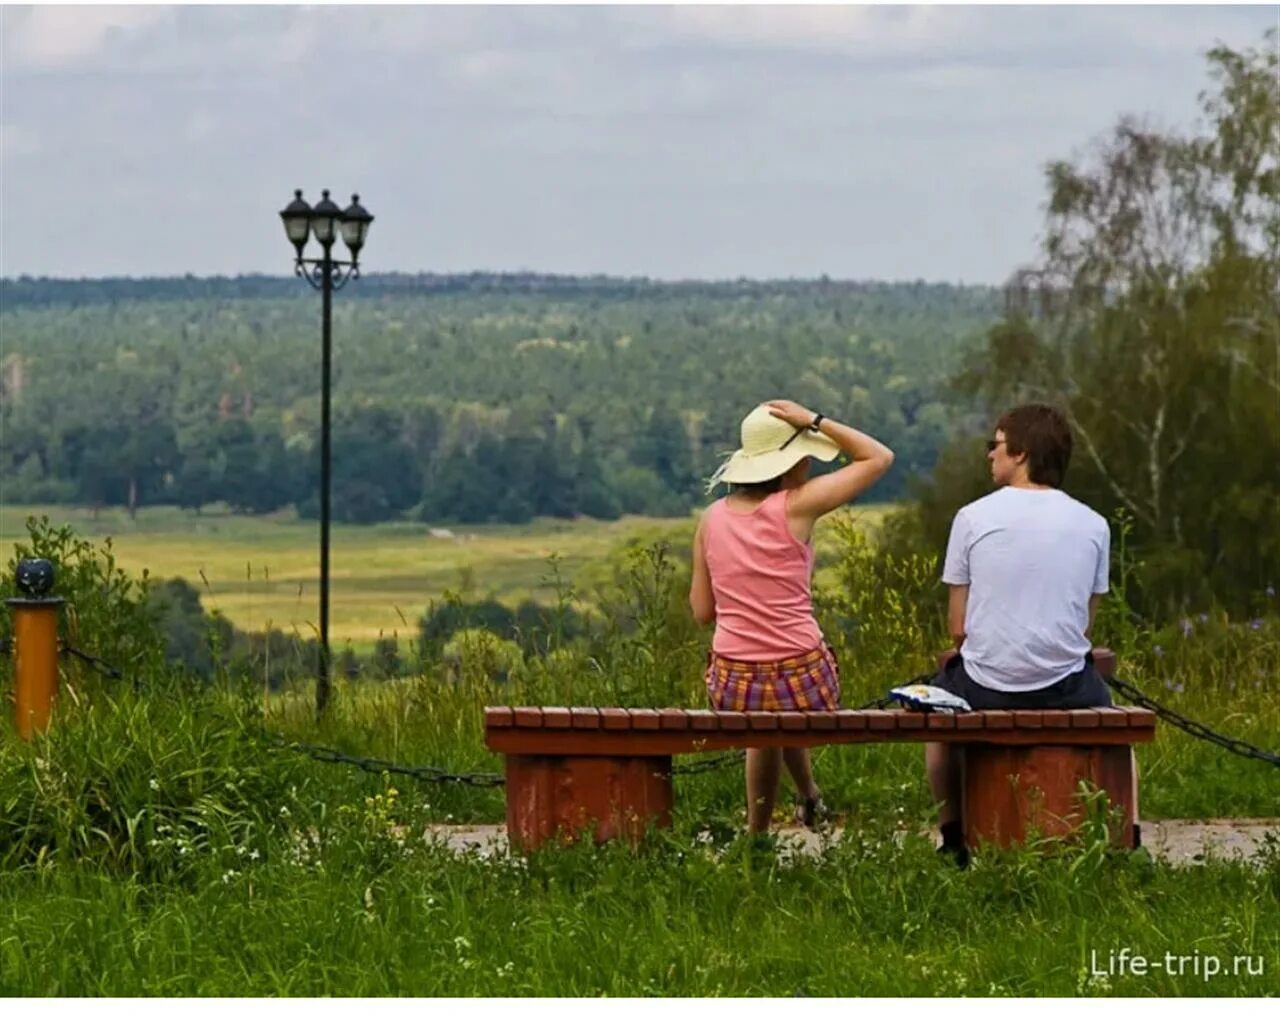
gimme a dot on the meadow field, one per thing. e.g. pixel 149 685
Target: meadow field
pixel 262 572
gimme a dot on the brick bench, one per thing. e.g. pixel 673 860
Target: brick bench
pixel 569 769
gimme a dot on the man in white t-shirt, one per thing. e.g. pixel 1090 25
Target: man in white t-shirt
pixel 1026 566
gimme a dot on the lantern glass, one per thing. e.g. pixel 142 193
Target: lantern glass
pixel 296 227
pixel 322 228
pixel 297 220
pixel 354 233
pixel 324 220
pixel 355 225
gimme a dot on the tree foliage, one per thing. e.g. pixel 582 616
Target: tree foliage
pixel 1153 321
pixel 454 400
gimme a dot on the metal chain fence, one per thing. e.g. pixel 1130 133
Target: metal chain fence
pixel 97 664
pixel 433 774
pixel 1187 725
pixel 422 773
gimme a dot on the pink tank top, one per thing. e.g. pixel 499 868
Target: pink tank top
pixel 760 577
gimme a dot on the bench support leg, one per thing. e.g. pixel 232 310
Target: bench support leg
pixel 1013 791
pixel 617 796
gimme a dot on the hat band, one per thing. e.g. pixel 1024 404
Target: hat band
pixel 798 432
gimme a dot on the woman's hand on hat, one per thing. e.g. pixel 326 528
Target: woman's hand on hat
pixel 791 412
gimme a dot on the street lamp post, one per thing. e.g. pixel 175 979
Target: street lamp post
pixel 324 222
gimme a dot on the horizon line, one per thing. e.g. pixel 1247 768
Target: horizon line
pixel 542 274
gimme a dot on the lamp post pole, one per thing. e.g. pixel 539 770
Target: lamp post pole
pixel 326 453
pixel 326 275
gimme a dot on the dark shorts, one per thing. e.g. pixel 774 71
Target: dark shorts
pixel 1083 689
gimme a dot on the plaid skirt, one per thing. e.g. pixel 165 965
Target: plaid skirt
pixel 805 682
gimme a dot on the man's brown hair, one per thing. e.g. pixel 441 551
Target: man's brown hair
pixel 1042 432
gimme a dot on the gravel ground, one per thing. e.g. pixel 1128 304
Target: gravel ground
pixel 1176 840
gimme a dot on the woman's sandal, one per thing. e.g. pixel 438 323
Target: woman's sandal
pixel 810 811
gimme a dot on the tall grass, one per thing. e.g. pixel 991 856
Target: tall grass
pixel 361 912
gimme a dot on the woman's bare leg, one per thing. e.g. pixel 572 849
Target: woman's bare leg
pixel 799 764
pixel 764 769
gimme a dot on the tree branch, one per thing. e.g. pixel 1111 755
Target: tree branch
pixel 1116 489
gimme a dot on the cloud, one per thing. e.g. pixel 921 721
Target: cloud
pixel 48 37
pixel 832 28
pixel 700 141
pixel 17 141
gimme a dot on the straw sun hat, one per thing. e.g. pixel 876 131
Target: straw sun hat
pixel 770 447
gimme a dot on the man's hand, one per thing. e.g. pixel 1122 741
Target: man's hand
pixel 791 412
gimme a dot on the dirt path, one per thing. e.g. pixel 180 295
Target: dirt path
pixel 1179 841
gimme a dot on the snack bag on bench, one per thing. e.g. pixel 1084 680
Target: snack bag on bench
pixel 920 697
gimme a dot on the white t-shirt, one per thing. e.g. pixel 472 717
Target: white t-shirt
pixel 1031 558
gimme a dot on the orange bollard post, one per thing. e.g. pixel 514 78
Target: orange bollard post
pixel 35 647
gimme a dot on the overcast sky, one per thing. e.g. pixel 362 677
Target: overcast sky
pixel 710 142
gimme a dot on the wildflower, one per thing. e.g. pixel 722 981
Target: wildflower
pixel 1256 624
pixel 1158 650
pixel 1173 687
pixel 254 855
pixel 1271 590
pixel 1203 617
pixel 155 786
pixel 1186 627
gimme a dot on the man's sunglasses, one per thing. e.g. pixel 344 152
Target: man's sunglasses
pixel 993 445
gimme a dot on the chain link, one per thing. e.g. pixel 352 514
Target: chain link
pixel 422 773
pixel 710 764
pixel 1196 729
pixel 97 664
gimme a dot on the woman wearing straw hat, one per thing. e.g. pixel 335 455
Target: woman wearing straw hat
pixel 752 566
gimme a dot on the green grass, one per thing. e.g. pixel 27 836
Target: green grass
pixel 157 843
pixel 873 917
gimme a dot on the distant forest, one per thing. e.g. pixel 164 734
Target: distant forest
pixel 456 398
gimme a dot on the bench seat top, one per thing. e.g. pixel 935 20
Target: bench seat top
pixel 660 731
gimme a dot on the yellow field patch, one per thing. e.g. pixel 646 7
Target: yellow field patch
pixel 263 571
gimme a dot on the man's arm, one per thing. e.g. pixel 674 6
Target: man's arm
pixel 1094 601
pixel 957 604
pixel 1101 582
pixel 702 600
pixel 955 574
